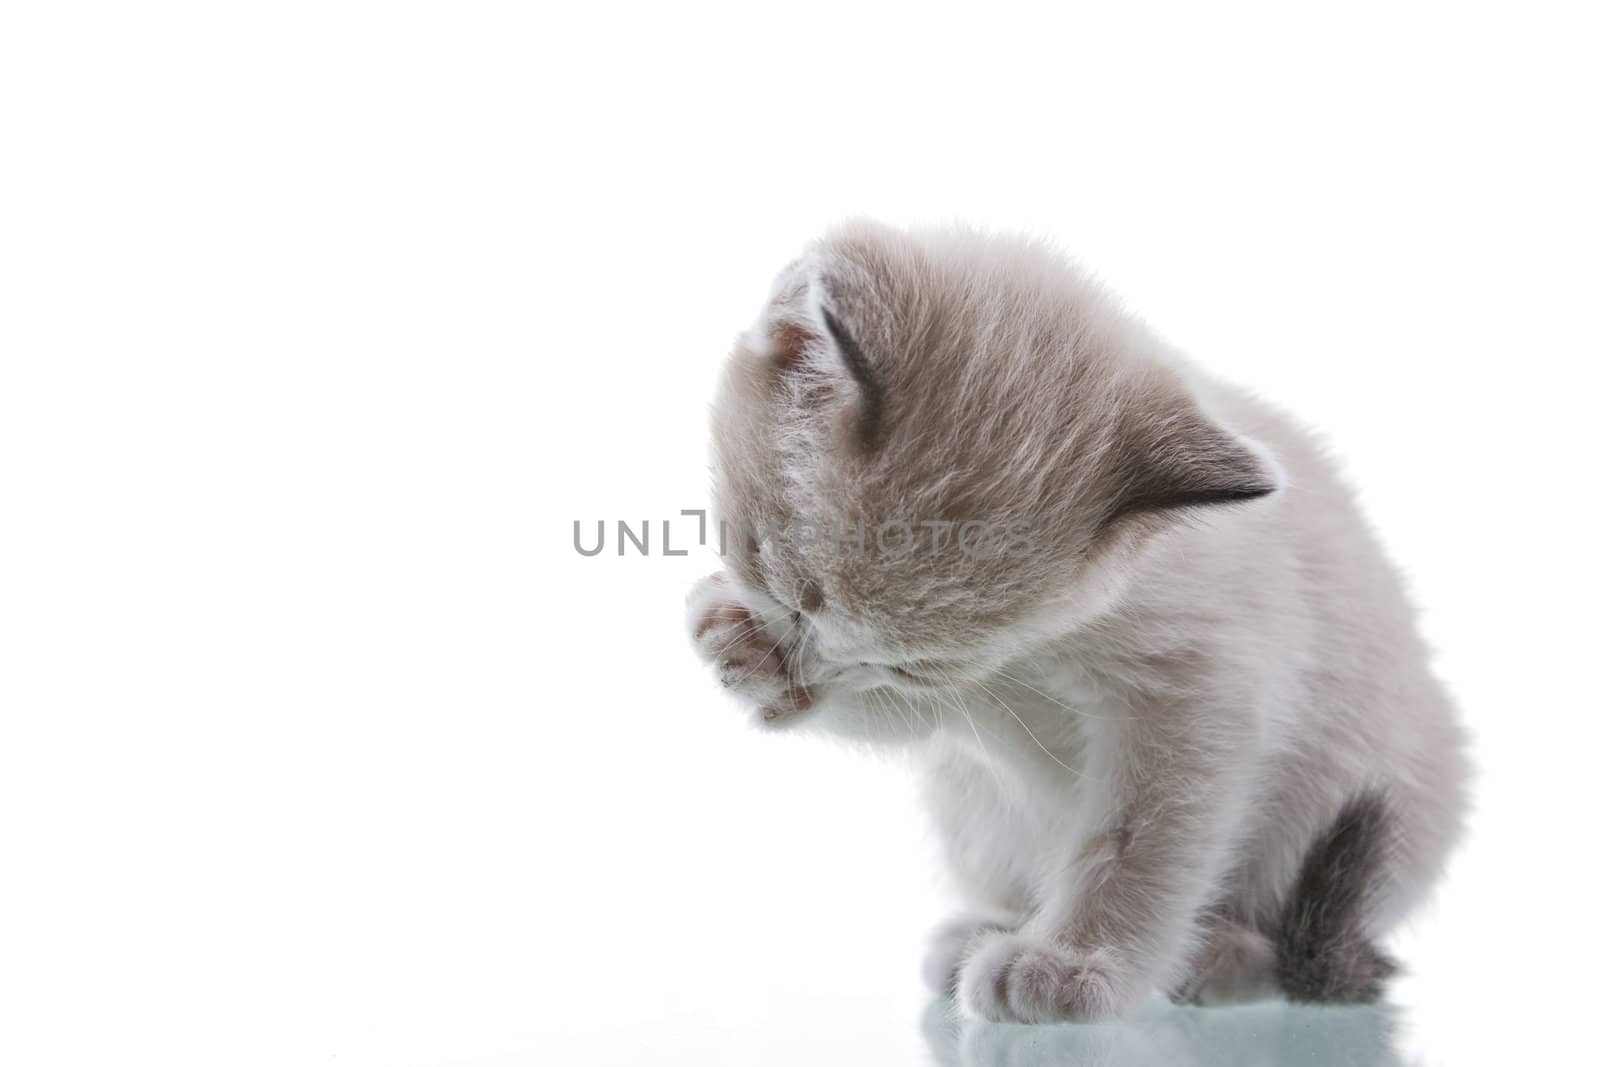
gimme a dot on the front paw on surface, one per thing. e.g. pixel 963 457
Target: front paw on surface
pixel 1017 979
pixel 949 946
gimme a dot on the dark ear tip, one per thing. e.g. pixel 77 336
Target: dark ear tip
pixel 1252 491
pixel 1245 470
pixel 1270 477
pixel 1182 498
pixel 1208 469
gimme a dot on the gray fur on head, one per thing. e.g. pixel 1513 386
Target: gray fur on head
pixel 1140 717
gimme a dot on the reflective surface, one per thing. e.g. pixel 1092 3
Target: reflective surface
pixel 1164 1036
pixel 825 1030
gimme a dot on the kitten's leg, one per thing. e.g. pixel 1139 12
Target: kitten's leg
pixel 1130 897
pixel 970 810
pixel 1236 965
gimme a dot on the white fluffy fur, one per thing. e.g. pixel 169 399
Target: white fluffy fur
pixel 1131 736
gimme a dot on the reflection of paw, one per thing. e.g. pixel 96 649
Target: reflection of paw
pixel 1011 978
pixel 748 657
pixel 948 947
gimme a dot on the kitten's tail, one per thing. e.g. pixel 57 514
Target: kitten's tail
pixel 1324 953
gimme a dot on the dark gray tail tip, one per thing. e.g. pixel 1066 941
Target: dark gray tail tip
pixel 1324 955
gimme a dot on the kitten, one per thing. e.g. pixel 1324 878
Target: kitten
pixel 1166 697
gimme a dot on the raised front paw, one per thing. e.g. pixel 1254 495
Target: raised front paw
pixel 1018 979
pixel 749 657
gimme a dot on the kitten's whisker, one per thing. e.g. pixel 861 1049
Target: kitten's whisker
pixel 794 662
pixel 895 705
pixel 740 630
pixel 910 706
pixel 751 673
pixel 883 701
pixel 953 679
pixel 1066 707
pixel 1042 747
pixel 955 696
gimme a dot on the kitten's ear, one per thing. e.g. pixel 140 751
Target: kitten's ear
pixel 791 326
pixel 868 416
pixel 1178 458
pixel 806 321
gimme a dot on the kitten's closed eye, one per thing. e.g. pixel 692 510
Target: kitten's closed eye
pixel 920 672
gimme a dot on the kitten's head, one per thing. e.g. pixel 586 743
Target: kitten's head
pixel 934 449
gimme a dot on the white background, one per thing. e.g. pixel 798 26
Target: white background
pixel 321 323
